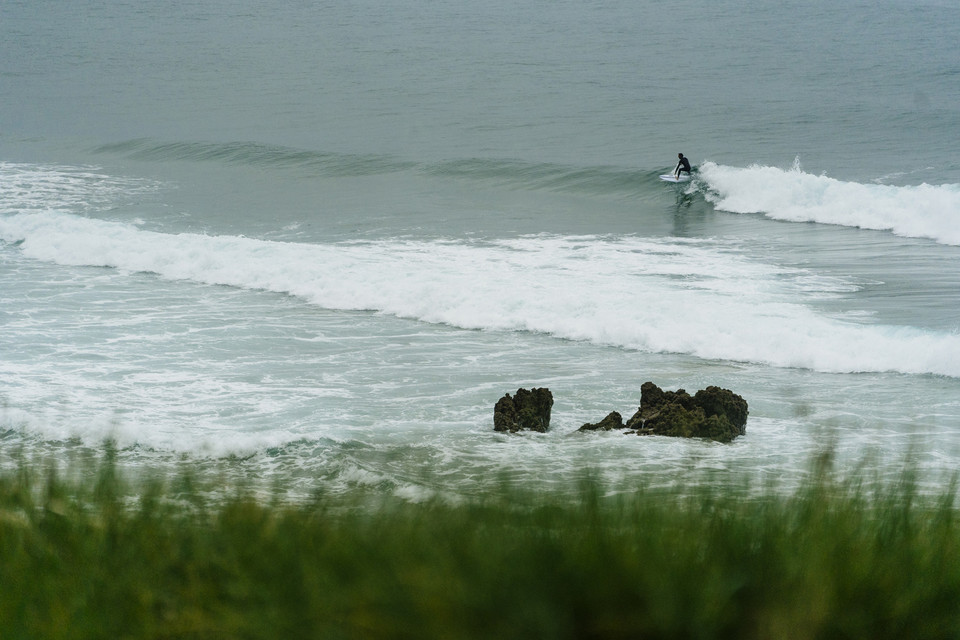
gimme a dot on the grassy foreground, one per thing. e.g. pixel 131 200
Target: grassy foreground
pixel 95 559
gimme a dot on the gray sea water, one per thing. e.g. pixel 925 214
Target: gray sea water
pixel 312 243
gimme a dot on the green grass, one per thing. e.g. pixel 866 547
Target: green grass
pixel 99 557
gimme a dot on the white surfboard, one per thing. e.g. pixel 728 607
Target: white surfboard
pixel 669 177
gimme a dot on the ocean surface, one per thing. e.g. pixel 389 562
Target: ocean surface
pixel 311 244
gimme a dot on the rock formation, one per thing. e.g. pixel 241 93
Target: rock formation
pixel 526 410
pixel 613 421
pixel 714 413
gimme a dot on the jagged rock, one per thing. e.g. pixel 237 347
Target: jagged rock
pixel 714 413
pixel 653 400
pixel 613 421
pixel 722 402
pixel 526 410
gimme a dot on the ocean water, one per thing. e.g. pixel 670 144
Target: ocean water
pixel 311 244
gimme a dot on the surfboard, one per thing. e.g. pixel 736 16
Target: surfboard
pixel 669 177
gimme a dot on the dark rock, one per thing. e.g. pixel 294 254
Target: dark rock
pixel 722 402
pixel 612 421
pixel 714 413
pixel 527 410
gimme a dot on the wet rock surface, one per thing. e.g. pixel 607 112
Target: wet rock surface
pixel 714 413
pixel 527 410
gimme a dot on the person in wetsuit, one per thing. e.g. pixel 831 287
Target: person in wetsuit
pixel 682 166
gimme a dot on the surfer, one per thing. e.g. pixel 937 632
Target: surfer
pixel 682 166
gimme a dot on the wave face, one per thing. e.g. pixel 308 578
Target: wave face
pixel 258 155
pixel 922 211
pixel 500 171
pixel 697 297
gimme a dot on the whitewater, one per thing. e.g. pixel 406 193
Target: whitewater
pixel 694 297
pixel 918 211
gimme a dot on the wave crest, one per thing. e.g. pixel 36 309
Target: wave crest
pixel 922 211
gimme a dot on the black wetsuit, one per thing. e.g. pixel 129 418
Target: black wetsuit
pixel 682 166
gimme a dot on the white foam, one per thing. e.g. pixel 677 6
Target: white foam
pixel 206 436
pixel 32 187
pixel 923 211
pixel 670 295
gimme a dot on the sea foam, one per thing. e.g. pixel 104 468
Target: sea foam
pixel 697 297
pixel 921 211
